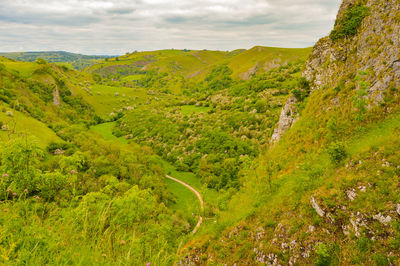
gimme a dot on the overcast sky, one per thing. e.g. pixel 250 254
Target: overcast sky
pixel 119 26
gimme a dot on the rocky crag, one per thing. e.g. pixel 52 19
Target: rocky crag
pixel 374 50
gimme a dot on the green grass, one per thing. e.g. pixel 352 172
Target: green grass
pixel 190 109
pixel 187 177
pixel 185 196
pixel 186 200
pixel 105 130
pixel 133 77
pixel 28 126
pixel 375 135
pixel 25 69
pixel 266 58
pixel 108 99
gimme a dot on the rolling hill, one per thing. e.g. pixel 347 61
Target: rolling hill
pixel 76 61
pixel 196 65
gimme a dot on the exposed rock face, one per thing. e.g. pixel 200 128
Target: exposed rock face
pixel 56 97
pixel 287 118
pixel 375 49
pixel 247 75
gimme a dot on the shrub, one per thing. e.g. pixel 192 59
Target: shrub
pixel 303 89
pixel 350 22
pixel 20 158
pixel 337 152
pixel 304 84
pixel 323 256
pixel 53 186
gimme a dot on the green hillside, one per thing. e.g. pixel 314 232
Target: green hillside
pixel 266 156
pixel 171 67
pixel 260 59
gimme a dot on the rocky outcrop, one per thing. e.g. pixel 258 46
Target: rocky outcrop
pixel 287 118
pixel 247 75
pixel 374 50
pixel 56 97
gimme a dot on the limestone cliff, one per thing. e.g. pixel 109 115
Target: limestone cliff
pixel 373 49
pixel 287 118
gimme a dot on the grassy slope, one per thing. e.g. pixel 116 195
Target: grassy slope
pixel 25 69
pixel 107 99
pixel 23 122
pixel 26 125
pixel 105 130
pixel 265 58
pixel 300 168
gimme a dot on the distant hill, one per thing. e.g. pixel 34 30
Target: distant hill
pixel 76 61
pixel 197 64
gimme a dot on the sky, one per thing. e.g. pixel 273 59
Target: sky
pixel 115 27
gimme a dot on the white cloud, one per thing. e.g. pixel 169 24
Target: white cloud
pixel 118 26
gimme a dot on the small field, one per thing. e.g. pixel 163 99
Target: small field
pixel 190 109
pixel 108 99
pixel 105 130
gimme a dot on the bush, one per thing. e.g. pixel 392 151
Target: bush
pixel 349 24
pixel 303 89
pixel 53 186
pixel 337 152
pixel 20 159
pixel 323 256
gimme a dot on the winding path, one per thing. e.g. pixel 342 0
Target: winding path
pixel 197 195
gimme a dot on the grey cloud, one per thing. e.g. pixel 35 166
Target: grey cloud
pixel 117 26
pixel 50 19
pixel 120 11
